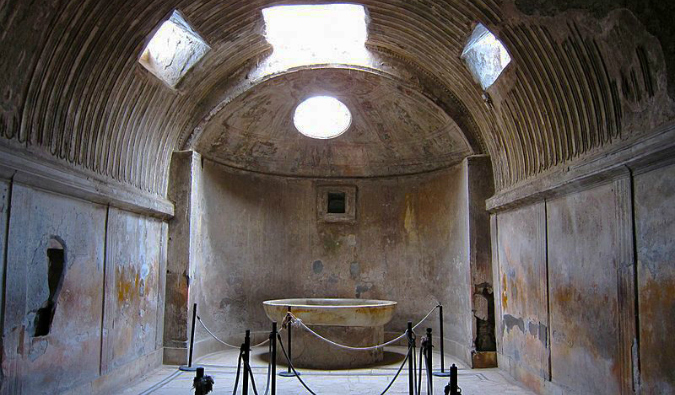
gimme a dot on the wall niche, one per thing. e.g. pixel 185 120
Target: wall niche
pixel 336 203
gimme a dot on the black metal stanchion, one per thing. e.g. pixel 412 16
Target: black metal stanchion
pixel 442 372
pixel 201 383
pixel 411 358
pixel 429 349
pixel 189 367
pixel 289 372
pixel 273 356
pixel 452 388
pixel 246 357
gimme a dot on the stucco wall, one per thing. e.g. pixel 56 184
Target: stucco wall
pixel 655 227
pixel 523 318
pixel 107 310
pixel 585 294
pixel 261 240
pixel 584 299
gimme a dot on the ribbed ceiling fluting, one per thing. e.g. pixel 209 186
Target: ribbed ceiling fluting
pixel 76 91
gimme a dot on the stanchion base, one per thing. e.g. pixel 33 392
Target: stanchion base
pixel 186 368
pixel 439 373
pixel 288 374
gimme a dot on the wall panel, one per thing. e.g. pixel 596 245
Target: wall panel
pixel 655 227
pixel 584 256
pixel 134 257
pixel 69 354
pixel 523 296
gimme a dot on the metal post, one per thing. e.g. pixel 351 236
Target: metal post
pixel 273 356
pixel 442 373
pixel 246 358
pixel 429 357
pixel 454 389
pixel 289 372
pixel 411 344
pixel 189 367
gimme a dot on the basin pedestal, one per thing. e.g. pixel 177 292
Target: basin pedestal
pixel 350 322
pixel 314 353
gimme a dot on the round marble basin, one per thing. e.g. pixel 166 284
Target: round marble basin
pixel 333 312
pixel 352 322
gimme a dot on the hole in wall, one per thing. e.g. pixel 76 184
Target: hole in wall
pixel 336 203
pixel 56 271
pixel 485 320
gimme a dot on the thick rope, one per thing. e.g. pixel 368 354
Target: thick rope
pixel 428 347
pixel 250 373
pixel 398 372
pixel 346 347
pixel 227 344
pixel 269 366
pixel 290 364
pixel 236 380
pixel 400 368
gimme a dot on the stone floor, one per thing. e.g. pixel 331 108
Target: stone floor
pixel 367 381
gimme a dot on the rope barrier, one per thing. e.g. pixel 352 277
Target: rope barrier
pixel 269 367
pixel 398 372
pixel 236 380
pixel 227 344
pixel 290 364
pixel 250 373
pixel 346 347
pixel 291 319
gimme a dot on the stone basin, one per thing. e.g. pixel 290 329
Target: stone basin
pixel 352 322
pixel 333 311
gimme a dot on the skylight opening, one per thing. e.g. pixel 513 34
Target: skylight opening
pixel 173 50
pixel 322 117
pixel 317 34
pixel 485 56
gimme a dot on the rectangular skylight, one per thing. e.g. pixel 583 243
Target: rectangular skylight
pixel 173 50
pixel 317 34
pixel 485 56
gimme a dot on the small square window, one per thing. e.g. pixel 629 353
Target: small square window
pixel 485 56
pixel 336 203
pixel 173 50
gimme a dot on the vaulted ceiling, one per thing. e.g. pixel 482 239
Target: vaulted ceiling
pixel 393 130
pixel 583 78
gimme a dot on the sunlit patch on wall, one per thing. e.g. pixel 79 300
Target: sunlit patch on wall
pixel 485 56
pixel 173 50
pixel 316 34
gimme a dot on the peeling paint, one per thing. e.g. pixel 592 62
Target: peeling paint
pixel 513 322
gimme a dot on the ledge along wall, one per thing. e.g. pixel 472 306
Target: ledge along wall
pixel 584 277
pixel 259 239
pixel 108 314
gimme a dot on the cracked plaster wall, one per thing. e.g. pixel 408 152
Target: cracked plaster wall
pixel 581 308
pixel 410 243
pixel 109 312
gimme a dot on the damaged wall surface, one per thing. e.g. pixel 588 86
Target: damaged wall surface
pixel 261 239
pixel 570 276
pixel 73 318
